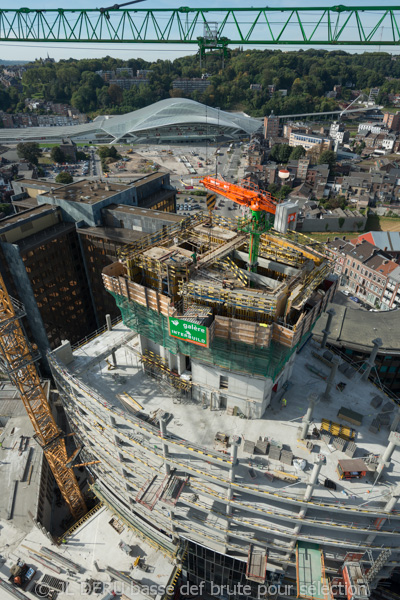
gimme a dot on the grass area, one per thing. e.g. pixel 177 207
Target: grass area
pixel 324 236
pixel 390 109
pixel 51 145
pixel 374 223
pixel 44 160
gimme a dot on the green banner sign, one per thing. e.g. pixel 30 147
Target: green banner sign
pixel 190 332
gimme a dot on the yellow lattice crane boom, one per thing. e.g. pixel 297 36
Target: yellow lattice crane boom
pixel 17 360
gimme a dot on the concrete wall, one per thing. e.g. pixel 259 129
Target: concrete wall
pixel 26 296
pixel 28 225
pixel 251 395
pixel 332 224
pixel 90 214
pixel 148 188
pixel 146 223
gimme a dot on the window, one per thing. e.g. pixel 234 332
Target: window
pixel 223 382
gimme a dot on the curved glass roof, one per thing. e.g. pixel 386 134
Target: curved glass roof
pixel 170 112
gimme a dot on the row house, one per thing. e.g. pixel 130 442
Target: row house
pixel 391 294
pixel 364 269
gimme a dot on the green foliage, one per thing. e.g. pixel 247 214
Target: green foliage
pixel 283 192
pixel 306 76
pixel 64 177
pixel 5 208
pixel 273 189
pixel 297 153
pixel 280 153
pixel 57 154
pixel 80 155
pixel 107 152
pixel 327 157
pixel 341 221
pixel 30 151
pixel 334 202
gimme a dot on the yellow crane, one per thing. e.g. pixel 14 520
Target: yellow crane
pixel 17 359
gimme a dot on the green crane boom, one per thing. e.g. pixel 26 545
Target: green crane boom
pixel 209 28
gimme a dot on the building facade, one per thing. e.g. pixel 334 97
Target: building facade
pixel 197 449
pixel 365 270
pixel 309 141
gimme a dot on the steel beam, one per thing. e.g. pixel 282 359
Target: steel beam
pixel 208 28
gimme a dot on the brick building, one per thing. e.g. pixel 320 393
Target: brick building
pixel 366 270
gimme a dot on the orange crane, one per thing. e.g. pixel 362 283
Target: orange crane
pixel 259 202
pixel 18 361
pixel 252 197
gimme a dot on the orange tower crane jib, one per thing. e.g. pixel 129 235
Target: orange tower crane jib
pixel 252 197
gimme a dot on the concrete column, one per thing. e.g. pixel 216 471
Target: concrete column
pixel 229 496
pixel 396 420
pixel 331 313
pixel 314 476
pixel 312 399
pixel 331 378
pixel 232 470
pixel 296 531
pixel 234 453
pixel 391 503
pixel 109 328
pixel 163 431
pixel 371 359
pixel 394 440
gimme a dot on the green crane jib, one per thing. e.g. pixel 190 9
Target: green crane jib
pixel 209 28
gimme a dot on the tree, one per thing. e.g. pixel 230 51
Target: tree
pixel 64 177
pixel 297 153
pixel 116 94
pixel 328 157
pixel 108 152
pixel 57 154
pixel 30 151
pixel 283 192
pixel 5 208
pixel 280 152
pixel 80 155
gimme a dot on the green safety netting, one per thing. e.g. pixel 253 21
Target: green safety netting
pixel 235 356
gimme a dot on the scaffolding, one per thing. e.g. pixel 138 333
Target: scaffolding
pixel 235 356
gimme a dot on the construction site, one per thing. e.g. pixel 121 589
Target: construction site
pixel 219 431
pixel 239 455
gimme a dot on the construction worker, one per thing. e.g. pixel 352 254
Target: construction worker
pixel 284 402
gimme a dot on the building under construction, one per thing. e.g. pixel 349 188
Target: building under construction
pixel 226 436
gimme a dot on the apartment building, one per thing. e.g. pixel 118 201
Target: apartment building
pixel 54 250
pixel 309 140
pixel 392 121
pixel 365 270
pixel 191 84
pixel 271 126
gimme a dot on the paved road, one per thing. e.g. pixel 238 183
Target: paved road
pixel 343 300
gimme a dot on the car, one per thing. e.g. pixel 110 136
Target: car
pixel 355 299
pixel 346 292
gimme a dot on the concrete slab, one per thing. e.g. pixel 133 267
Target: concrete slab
pixel 195 423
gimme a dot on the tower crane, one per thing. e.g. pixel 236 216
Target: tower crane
pixel 261 204
pixel 18 361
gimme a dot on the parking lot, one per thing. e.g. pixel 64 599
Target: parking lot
pixel 81 169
